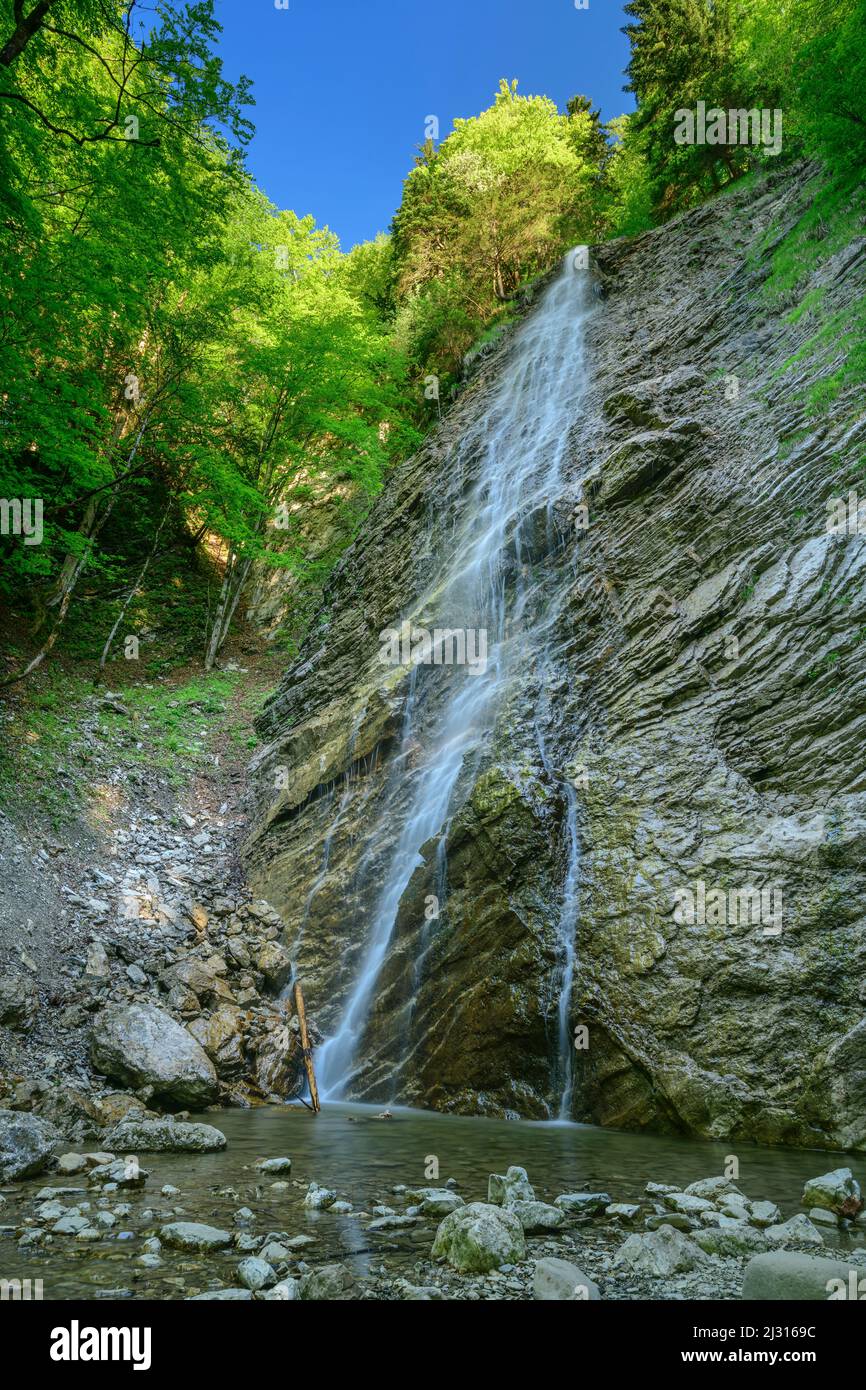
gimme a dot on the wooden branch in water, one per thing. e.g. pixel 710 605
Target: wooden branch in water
pixel 298 997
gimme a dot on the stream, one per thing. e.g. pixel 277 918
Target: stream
pixel 348 1148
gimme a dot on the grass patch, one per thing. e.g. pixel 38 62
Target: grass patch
pixel 60 740
pixel 834 215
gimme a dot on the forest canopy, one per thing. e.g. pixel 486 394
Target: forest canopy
pixel 186 369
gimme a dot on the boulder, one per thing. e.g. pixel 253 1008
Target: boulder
pixel 70 1225
pixel 784 1276
pixel 417 1293
pixel 436 1201
pixel 196 977
pixel 622 1211
pixel 328 1283
pixel 738 1239
pixel 274 1165
pixel 69 1164
pixel 737 1209
pixel 74 1112
pixel 256 1274
pixel 671 1218
pixel 660 1253
pixel 117 1106
pixel 822 1217
pixel 222 1037
pixel 514 1186
pixel 537 1216
pixel 687 1203
pixel 27 1144
pixel 275 963
pixel 279 1061
pixel 193 1235
pixel 391 1223
pixel 560 1281
pixel 19 1001
pixel 319 1198
pixel 797 1229
pixel 583 1202
pixel 274 1252
pixel 764 1214
pixel 480 1237
pixel 123 1173
pixel 164 1136
pixel 838 1191
pixel 141 1045
pixel 286 1291
pixel 713 1189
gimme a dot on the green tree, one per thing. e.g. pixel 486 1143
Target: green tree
pixel 500 201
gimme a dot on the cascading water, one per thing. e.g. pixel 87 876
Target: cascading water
pixel 519 446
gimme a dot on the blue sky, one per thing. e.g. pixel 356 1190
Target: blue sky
pixel 343 87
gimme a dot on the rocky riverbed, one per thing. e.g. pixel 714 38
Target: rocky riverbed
pixel 363 1204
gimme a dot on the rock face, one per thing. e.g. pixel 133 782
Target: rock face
pixel 142 1045
pixel 690 741
pixel 26 1145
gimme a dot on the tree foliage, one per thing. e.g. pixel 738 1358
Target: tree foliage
pixel 498 202
pixel 168 338
pixel 803 58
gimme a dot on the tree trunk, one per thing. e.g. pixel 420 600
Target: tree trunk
pixel 236 574
pixel 74 572
pixel 134 590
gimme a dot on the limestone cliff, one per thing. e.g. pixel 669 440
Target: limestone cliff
pixel 702 715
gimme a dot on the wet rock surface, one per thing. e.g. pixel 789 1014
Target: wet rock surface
pixel 701 701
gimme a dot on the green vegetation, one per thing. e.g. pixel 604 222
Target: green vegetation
pixel 832 214
pixel 495 204
pixel 803 58
pixel 190 377
pixel 59 747
pixel 177 356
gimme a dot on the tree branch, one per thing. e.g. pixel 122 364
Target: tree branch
pixel 25 29
pixel 70 135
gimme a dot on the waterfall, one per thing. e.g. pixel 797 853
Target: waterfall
pixel 518 447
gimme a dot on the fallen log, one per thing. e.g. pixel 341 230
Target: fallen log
pixel 298 998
